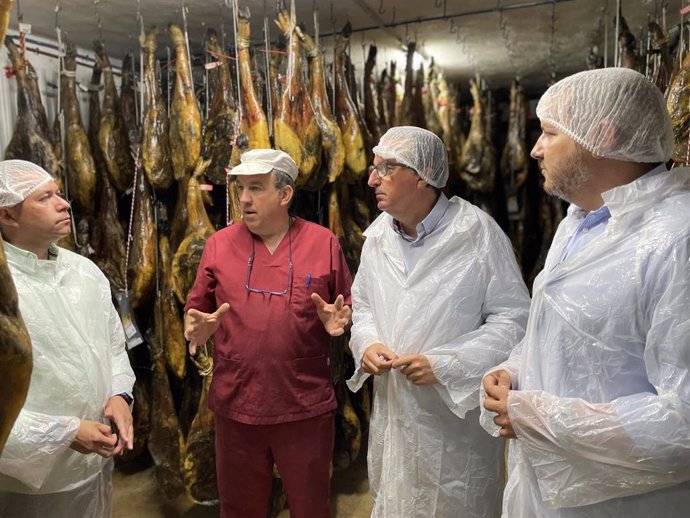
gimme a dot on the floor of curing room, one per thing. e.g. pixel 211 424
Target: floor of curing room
pixel 137 496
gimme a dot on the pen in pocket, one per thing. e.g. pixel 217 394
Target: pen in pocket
pixel 308 281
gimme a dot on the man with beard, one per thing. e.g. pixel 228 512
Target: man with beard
pixel 597 395
pixel 437 300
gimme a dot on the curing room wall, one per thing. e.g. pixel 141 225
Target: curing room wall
pixel 41 53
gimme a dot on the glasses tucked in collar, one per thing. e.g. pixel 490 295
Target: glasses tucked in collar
pixel 250 264
pixel 384 168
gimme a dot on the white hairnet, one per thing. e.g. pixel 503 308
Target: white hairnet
pixel 18 179
pixel 417 148
pixel 613 113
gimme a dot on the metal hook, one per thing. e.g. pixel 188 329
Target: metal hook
pixel 332 18
pixel 57 14
pixel 393 21
pixel 381 9
pixel 453 28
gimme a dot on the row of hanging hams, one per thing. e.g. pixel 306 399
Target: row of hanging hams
pixel 117 169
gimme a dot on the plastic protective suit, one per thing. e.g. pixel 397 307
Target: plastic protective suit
pixel 79 363
pixel 602 406
pixel 463 306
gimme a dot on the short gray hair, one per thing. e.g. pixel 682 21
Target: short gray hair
pixel 281 180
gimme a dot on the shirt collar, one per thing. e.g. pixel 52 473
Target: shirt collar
pixel 428 224
pixel 616 200
pixel 626 197
pixel 29 260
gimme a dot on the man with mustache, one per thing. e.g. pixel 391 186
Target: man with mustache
pixel 58 457
pixel 597 395
pixel 438 297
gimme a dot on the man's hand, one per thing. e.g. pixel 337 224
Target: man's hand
pixel 335 317
pixel 199 326
pixel 378 359
pixel 497 387
pixel 117 410
pixel 94 437
pixel 416 368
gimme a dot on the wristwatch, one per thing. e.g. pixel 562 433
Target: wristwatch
pixel 128 399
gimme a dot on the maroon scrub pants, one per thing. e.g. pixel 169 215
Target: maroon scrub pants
pixel 302 451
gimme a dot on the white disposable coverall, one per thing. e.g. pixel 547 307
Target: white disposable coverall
pixel 602 410
pixel 79 362
pixel 463 306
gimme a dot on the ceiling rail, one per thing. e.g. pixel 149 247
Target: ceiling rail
pixel 487 10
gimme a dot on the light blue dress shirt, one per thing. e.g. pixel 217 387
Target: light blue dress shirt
pixel 429 231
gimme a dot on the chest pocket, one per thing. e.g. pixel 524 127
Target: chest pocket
pixel 303 285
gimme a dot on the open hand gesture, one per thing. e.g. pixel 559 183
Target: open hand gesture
pixel 335 317
pixel 199 326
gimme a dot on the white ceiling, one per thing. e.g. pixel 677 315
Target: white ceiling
pixel 498 38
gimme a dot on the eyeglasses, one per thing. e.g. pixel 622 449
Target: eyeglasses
pixel 384 169
pixel 250 263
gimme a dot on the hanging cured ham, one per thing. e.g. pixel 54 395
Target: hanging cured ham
pixel 661 64
pixel 220 129
pixel 155 146
pixel 478 167
pixel 15 352
pixel 128 100
pixel 407 115
pixel 346 114
pixel 32 139
pixel 445 108
pixel 109 237
pixel 166 443
pixel 381 88
pixel 430 91
pixel 295 128
pixel 81 168
pixel 5 14
pixel 391 98
pixel 199 229
pixel 626 46
pixel 515 167
pixel 95 114
pixel 254 124
pixel 277 80
pixel 142 263
pixel 185 117
pixel 199 461
pixel 418 103
pixel 170 324
pixel 332 141
pixel 678 106
pixel 372 116
pixel 112 135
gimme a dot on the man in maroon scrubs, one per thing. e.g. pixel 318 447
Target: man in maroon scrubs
pixel 262 287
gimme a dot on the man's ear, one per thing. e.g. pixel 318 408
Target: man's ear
pixel 286 195
pixel 7 217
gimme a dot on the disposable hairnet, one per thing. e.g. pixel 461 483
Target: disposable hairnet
pixel 417 148
pixel 614 113
pixel 18 179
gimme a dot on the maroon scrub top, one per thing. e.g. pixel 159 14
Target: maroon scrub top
pixel 271 358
